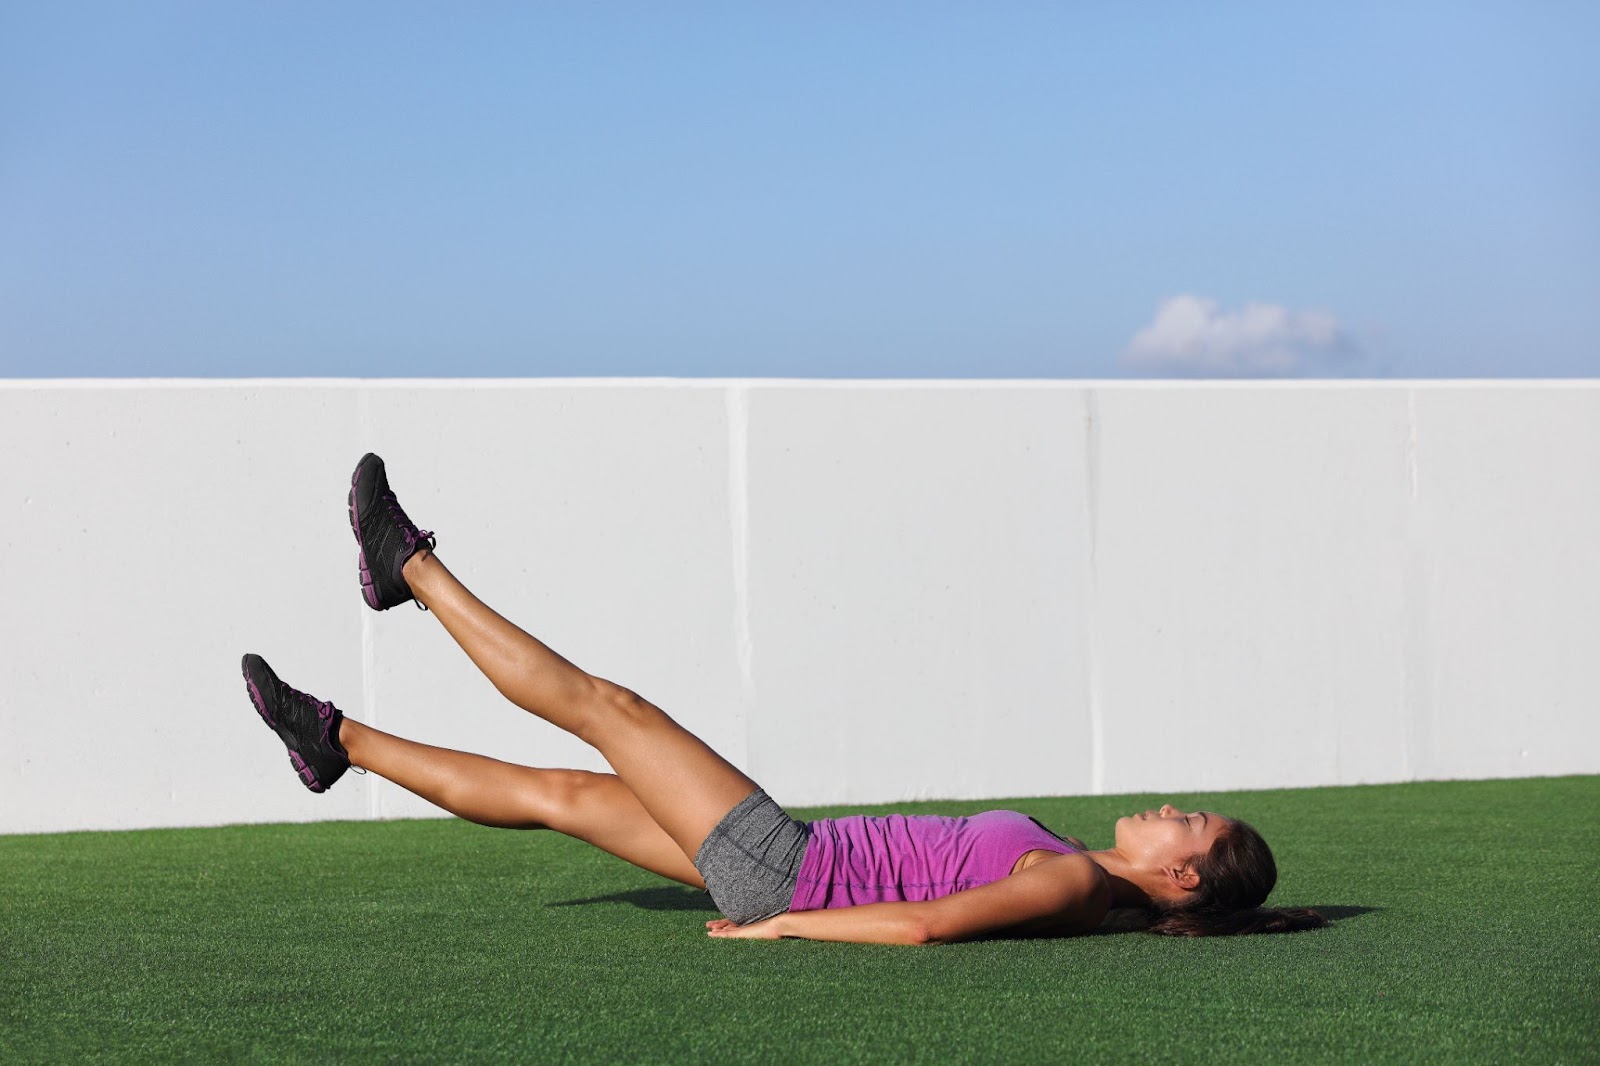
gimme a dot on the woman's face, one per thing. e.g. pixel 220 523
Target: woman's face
pixel 1162 841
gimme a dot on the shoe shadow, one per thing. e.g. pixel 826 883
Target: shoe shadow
pixel 650 899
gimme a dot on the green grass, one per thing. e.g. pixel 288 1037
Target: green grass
pixel 1465 930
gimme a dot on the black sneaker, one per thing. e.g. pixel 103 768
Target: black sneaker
pixel 307 726
pixel 386 537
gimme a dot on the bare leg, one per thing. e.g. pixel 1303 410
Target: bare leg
pixel 596 808
pixel 685 786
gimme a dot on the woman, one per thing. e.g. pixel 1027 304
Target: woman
pixel 678 809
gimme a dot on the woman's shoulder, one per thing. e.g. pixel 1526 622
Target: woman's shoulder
pixel 1085 879
pixel 1080 890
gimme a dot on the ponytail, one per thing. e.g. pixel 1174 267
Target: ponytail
pixel 1236 876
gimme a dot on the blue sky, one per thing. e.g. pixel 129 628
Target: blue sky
pixel 746 190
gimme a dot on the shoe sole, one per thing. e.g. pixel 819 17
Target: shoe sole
pixel 307 775
pixel 369 583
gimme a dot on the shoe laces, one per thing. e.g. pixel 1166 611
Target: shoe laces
pixel 324 708
pixel 408 528
pixel 325 712
pixel 398 513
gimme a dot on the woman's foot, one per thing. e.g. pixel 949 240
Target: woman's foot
pixel 308 727
pixel 385 536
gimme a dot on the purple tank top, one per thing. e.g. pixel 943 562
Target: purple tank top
pixel 897 857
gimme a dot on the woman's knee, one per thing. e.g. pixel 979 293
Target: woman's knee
pixel 611 707
pixel 538 799
pixel 569 800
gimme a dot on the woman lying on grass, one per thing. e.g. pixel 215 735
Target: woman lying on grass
pixel 678 809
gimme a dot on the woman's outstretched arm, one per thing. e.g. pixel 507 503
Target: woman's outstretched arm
pixel 1066 894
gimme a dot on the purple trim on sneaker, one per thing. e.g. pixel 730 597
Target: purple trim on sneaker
pixel 261 704
pixel 303 768
pixel 325 712
pixel 369 584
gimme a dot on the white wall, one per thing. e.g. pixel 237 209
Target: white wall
pixel 858 591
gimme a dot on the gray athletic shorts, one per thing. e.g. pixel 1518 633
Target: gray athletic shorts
pixel 751 860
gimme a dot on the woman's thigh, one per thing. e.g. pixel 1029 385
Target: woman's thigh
pixel 600 810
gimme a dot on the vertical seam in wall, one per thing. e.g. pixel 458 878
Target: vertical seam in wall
pixel 738 413
pixel 369 651
pixel 1097 772
pixel 1413 601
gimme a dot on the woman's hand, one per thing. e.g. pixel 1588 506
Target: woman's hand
pixel 766 929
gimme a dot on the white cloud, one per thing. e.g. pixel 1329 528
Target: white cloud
pixel 1191 338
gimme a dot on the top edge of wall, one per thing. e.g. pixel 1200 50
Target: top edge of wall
pixel 782 383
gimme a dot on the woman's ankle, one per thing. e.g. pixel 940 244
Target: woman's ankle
pixel 350 732
pixel 417 566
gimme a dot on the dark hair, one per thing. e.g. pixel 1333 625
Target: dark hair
pixel 1236 876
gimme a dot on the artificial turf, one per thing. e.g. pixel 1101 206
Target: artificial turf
pixel 1464 930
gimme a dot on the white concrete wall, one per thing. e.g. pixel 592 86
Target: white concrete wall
pixel 860 592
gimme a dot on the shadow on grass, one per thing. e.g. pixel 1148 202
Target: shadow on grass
pixel 1130 920
pixel 1339 914
pixel 651 899
pixel 1136 920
